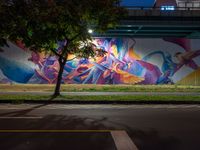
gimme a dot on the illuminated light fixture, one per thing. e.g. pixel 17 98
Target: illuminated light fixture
pixel 167 8
pixel 90 31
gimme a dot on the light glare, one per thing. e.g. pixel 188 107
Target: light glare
pixel 90 31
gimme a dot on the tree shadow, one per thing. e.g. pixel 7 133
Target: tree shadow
pixel 60 140
pixel 145 139
pixel 53 97
pixel 22 112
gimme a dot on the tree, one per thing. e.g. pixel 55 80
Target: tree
pixel 40 24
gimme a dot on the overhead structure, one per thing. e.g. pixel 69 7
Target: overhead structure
pixel 165 19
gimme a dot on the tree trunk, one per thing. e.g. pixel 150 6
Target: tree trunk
pixel 59 78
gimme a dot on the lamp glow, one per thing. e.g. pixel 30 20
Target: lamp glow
pixel 90 31
pixel 167 8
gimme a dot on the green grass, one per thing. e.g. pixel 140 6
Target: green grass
pixel 100 88
pixel 122 98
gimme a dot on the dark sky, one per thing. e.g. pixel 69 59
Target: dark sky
pixel 138 2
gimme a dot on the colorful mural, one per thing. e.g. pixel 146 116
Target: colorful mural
pixel 127 61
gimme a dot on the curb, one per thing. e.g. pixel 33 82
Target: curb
pixel 97 102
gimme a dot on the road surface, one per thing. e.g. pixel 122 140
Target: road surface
pixel 150 127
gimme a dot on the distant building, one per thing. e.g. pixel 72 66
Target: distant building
pixel 181 4
pixel 163 4
pixel 160 3
pixel 188 3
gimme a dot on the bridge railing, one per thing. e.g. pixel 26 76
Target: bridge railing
pixel 163 11
pixel 162 8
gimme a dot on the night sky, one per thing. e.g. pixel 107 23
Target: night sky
pixel 147 3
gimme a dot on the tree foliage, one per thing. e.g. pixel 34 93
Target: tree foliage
pixel 41 24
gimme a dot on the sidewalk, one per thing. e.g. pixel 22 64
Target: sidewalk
pixel 102 93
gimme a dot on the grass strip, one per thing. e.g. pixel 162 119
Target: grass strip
pixel 107 98
pixel 99 88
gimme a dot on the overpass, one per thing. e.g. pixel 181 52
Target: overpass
pixel 148 22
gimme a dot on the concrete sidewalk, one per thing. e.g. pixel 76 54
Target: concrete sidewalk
pixel 102 93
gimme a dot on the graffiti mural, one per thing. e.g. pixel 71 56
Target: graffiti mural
pixel 126 61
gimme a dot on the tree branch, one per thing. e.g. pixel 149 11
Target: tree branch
pixel 68 41
pixel 71 59
pixel 77 35
pixel 57 54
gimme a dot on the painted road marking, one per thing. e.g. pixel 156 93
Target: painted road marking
pixel 120 137
pixel 55 131
pixel 123 141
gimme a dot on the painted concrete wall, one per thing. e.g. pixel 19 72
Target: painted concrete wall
pixel 127 61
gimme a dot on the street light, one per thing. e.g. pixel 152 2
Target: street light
pixel 90 31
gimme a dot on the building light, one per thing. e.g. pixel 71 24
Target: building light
pixel 167 8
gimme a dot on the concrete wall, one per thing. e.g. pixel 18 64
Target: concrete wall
pixel 127 61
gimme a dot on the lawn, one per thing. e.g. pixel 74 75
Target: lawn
pixel 99 88
pixel 106 98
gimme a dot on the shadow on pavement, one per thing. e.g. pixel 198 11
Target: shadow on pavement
pixel 148 139
pixel 23 112
pixel 56 140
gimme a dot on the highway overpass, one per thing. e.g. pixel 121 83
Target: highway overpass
pixel 144 22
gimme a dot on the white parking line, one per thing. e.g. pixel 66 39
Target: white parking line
pixel 123 141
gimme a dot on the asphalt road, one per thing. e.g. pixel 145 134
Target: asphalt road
pixel 151 127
